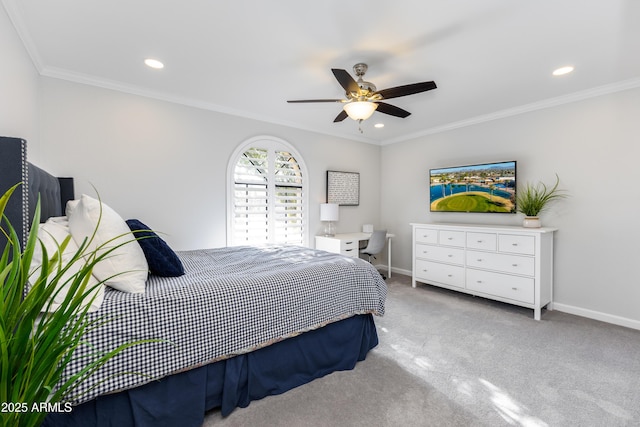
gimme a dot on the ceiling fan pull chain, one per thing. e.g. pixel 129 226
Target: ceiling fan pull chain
pixel 360 125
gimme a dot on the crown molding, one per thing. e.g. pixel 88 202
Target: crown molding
pixel 13 11
pixel 540 105
pixel 547 103
pixel 75 77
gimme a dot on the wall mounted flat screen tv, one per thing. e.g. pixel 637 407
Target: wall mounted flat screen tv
pixel 487 187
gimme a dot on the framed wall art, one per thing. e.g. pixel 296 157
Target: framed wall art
pixel 343 188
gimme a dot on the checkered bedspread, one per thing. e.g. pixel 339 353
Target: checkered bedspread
pixel 230 301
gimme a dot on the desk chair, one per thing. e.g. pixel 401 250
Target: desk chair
pixel 376 244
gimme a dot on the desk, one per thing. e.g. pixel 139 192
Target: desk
pixel 348 244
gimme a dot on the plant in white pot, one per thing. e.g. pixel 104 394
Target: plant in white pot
pixel 532 199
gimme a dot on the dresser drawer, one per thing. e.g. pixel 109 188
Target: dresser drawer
pixel 451 238
pixel 501 285
pixel 517 244
pixel 483 241
pixel 515 264
pixel 426 235
pixel 349 248
pixel 430 272
pixel 440 253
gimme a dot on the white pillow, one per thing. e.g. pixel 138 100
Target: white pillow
pixel 71 206
pixel 52 233
pixel 125 268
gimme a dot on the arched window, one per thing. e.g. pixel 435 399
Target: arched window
pixel 267 194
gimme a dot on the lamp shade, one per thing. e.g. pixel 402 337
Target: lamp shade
pixel 360 110
pixel 329 212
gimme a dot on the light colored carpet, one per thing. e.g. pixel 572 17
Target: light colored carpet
pixel 448 359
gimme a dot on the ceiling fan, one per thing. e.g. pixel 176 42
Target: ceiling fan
pixel 362 97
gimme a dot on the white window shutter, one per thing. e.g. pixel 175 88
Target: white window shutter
pixel 268 196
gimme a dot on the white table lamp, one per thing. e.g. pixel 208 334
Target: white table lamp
pixel 329 213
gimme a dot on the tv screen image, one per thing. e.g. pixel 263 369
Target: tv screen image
pixel 487 187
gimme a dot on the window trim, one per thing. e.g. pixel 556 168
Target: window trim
pixel 270 143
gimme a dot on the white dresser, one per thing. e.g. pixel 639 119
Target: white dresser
pixel 509 264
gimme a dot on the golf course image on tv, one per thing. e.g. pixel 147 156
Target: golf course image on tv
pixel 487 187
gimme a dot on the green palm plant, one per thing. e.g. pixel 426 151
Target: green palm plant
pixel 532 199
pixel 36 346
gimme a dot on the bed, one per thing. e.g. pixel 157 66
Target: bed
pixel 242 323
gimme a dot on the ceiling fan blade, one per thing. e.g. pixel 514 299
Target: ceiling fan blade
pixel 299 101
pixel 340 117
pixel 346 81
pixel 410 89
pixel 392 110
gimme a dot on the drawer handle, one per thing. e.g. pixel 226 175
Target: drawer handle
pixel 515 289
pixel 450 275
pixel 479 241
pixel 478 281
pixel 348 250
pixel 450 256
pixel 479 259
pixel 514 244
pixel 449 238
pixel 348 243
pixel 514 265
pixel 424 270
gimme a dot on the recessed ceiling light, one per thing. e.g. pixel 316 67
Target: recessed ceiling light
pixel 563 70
pixel 379 125
pixel 154 63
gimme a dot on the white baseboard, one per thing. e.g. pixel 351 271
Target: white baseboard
pixel 565 308
pixel 596 315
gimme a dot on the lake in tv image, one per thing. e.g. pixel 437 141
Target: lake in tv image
pixel 489 187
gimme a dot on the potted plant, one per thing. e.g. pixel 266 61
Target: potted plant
pixel 35 344
pixel 532 199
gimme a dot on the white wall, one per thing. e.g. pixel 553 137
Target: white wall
pixel 166 164
pixel 593 145
pixel 19 87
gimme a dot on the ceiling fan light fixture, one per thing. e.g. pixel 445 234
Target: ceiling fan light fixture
pixel 362 98
pixel 360 110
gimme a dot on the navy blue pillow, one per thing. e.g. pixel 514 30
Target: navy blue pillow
pixel 162 260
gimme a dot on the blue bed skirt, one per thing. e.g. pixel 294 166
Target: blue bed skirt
pixel 182 399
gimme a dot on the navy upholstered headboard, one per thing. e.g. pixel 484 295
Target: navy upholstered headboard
pixel 14 168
